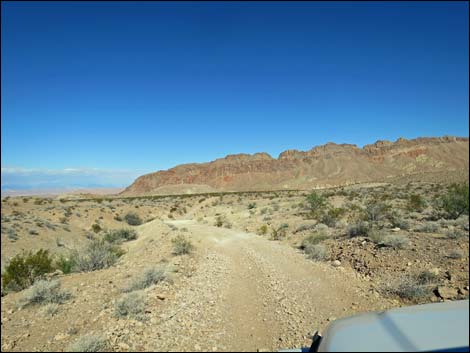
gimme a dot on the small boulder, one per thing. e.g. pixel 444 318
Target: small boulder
pixel 446 292
pixel 336 263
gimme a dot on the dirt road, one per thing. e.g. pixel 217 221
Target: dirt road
pixel 237 292
pixel 250 293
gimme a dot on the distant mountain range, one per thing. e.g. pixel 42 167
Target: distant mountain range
pixel 323 166
pixel 59 191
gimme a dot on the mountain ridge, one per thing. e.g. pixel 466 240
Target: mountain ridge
pixel 325 165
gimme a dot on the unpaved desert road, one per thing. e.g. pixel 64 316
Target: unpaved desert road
pixel 249 293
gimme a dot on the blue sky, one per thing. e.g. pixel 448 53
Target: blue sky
pixel 117 89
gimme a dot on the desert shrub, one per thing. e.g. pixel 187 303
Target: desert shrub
pixel 455 202
pixel 313 239
pixel 133 219
pixel 427 277
pixel 11 234
pixel 182 245
pixel 96 228
pixel 222 221
pixel 278 233
pixel 150 276
pixel 64 264
pixel 376 211
pixel 332 216
pixel 455 254
pixel 25 268
pixel 130 305
pixel 219 221
pixel 376 235
pixel 416 203
pixel 51 309
pixel 455 233
pixel 406 287
pixel 429 227
pixel 251 205
pixel 316 203
pixel 276 207
pixel 96 255
pixel 396 241
pixel 398 221
pixel 463 223
pixel 359 229
pixel 118 218
pixel 120 235
pixel 44 292
pixel 316 252
pixel 263 229
pixel 304 227
pixel 33 232
pixel 88 343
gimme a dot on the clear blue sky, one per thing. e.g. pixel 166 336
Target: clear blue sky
pixel 143 86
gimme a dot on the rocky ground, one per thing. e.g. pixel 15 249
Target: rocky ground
pixel 238 289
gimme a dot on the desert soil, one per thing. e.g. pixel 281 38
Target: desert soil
pixel 238 291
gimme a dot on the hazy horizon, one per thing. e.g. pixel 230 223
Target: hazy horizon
pixel 95 94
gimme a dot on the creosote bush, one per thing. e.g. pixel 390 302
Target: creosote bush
pixel 25 268
pixel 64 264
pixel 455 202
pixel 316 203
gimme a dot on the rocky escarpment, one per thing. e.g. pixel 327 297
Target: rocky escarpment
pixel 327 165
